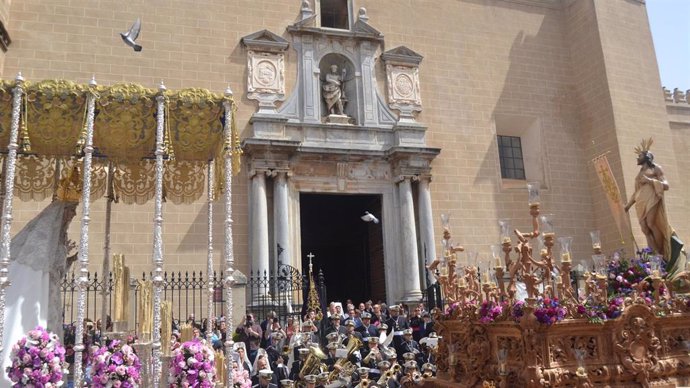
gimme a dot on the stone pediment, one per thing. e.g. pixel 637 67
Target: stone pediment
pixel 265 40
pixel 402 54
pixel 362 27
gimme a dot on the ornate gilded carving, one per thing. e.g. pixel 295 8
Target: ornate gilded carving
pixel 673 340
pixel 561 349
pixel 513 345
pixel 474 353
pixel 125 124
pixel 196 124
pixel 184 181
pixel 54 116
pixel 636 343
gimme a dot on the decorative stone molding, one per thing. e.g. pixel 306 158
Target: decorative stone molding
pixel 265 69
pixel 676 96
pixel 413 163
pixel 402 71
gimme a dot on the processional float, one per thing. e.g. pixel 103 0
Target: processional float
pixel 522 319
pixel 134 144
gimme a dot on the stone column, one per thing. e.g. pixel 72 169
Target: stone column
pixel 408 237
pixel 259 226
pixel 280 219
pixel 426 220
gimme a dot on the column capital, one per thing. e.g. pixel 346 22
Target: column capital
pixel 425 177
pixel 403 177
pixel 255 172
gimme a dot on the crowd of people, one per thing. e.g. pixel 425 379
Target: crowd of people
pixel 369 345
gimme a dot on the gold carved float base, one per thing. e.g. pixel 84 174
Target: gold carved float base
pixel 638 349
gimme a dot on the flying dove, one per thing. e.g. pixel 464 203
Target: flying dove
pixel 131 36
pixel 368 217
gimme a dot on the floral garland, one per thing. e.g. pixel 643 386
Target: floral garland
pixel 240 378
pixel 192 365
pixel 547 310
pixel 38 360
pixel 115 365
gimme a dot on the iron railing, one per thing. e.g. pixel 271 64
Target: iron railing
pixel 186 291
pixel 283 291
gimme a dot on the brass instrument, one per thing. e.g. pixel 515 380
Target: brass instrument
pixel 313 362
pixel 344 362
pixel 389 374
pixel 396 368
pixel 363 384
pixel 373 352
pixel 417 378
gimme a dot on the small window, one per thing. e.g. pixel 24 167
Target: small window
pixel 510 153
pixel 334 14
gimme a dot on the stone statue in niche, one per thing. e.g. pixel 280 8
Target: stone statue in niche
pixel 334 95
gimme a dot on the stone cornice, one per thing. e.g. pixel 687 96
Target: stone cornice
pixel 552 4
pixel 336 33
pixel 260 147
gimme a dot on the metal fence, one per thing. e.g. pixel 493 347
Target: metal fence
pixel 186 291
pixel 283 291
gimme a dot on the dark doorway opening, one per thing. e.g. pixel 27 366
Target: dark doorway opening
pixel 347 249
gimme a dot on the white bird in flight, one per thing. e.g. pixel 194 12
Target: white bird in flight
pixel 368 217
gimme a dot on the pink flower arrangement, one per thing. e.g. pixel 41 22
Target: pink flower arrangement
pixel 38 360
pixel 192 366
pixel 489 311
pixel 115 365
pixel 240 378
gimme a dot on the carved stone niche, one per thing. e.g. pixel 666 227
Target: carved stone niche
pixel 402 71
pixel 265 69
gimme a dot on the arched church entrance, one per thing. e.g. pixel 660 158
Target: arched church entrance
pixel 346 248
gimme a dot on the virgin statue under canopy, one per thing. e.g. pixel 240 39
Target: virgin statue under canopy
pixel 38 262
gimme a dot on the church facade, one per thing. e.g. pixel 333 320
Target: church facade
pixel 408 110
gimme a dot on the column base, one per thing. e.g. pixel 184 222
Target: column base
pixel 412 296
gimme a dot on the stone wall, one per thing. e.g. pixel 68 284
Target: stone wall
pixel 584 71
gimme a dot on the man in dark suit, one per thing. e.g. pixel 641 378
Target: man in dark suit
pixel 396 324
pixel 367 329
pixel 409 346
pixel 427 326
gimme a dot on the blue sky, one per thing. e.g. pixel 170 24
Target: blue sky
pixel 669 22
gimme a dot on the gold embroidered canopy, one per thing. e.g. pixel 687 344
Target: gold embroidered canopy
pixel 52 131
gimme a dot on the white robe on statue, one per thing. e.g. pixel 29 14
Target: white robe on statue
pixel 37 255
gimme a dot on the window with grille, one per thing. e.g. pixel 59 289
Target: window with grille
pixel 510 153
pixel 334 14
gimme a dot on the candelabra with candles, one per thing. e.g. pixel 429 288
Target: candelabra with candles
pixel 521 306
pixel 539 270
